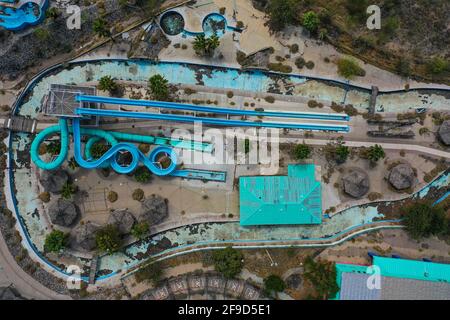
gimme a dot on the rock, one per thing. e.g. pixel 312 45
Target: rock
pixel 294 281
pixel 54 180
pixel 85 236
pixel 356 183
pixel 444 132
pixel 402 176
pixel 9 293
pixel 123 220
pixel 63 212
pixel 154 210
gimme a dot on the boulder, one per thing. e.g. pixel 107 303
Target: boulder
pixel 402 176
pixel 10 293
pixel 54 180
pixel 444 132
pixel 63 212
pixel 123 220
pixel 356 183
pixel 154 210
pixel 85 236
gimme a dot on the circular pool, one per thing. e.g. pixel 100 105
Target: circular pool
pixel 172 23
pixel 214 23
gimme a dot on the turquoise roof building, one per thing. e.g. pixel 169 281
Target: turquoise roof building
pixel 400 279
pixel 281 200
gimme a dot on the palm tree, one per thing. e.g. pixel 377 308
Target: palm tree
pixel 206 46
pixel 68 190
pixel 100 27
pixel 158 86
pixel 107 83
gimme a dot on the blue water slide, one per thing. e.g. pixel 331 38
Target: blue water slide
pixel 221 122
pixel 207 109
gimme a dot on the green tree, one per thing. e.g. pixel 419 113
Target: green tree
pixel 423 220
pixel 55 241
pixel 68 190
pixel 206 47
pixel 311 21
pixel 322 275
pixel 108 239
pixel 282 13
pixel 302 151
pixel 375 153
pixel 159 87
pixel 273 284
pixel 142 174
pixel 348 68
pixel 107 83
pixel 100 27
pixel 228 261
pixel 140 230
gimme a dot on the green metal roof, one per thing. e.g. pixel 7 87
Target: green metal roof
pixel 276 200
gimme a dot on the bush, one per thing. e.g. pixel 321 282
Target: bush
pixel 138 194
pixel 144 147
pixel 279 67
pixel 142 174
pixel 98 149
pixel 68 190
pixel 375 153
pixel 310 65
pixel 302 151
pixel 294 48
pixel 228 261
pixel 349 68
pixel 108 239
pixel 300 62
pixel 437 66
pixel 44 197
pixel 152 272
pixel 55 241
pixel 310 21
pixel 269 99
pixel 140 230
pixel 113 196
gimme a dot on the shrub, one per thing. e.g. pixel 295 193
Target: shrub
pixel 140 230
pixel 98 149
pixel 302 151
pixel 230 94
pixel 300 62
pixel 144 147
pixel 108 239
pixel 294 48
pixel 113 196
pixel 309 65
pixel 138 194
pixel 438 65
pixel 55 241
pixel 152 272
pixel 349 68
pixel 281 13
pixel 269 99
pixel 375 153
pixel 142 174
pixel 68 190
pixel 44 197
pixel 310 21
pixel 279 67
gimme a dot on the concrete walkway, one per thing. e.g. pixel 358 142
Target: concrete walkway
pixel 28 287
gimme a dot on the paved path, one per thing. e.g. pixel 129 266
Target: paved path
pixel 28 287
